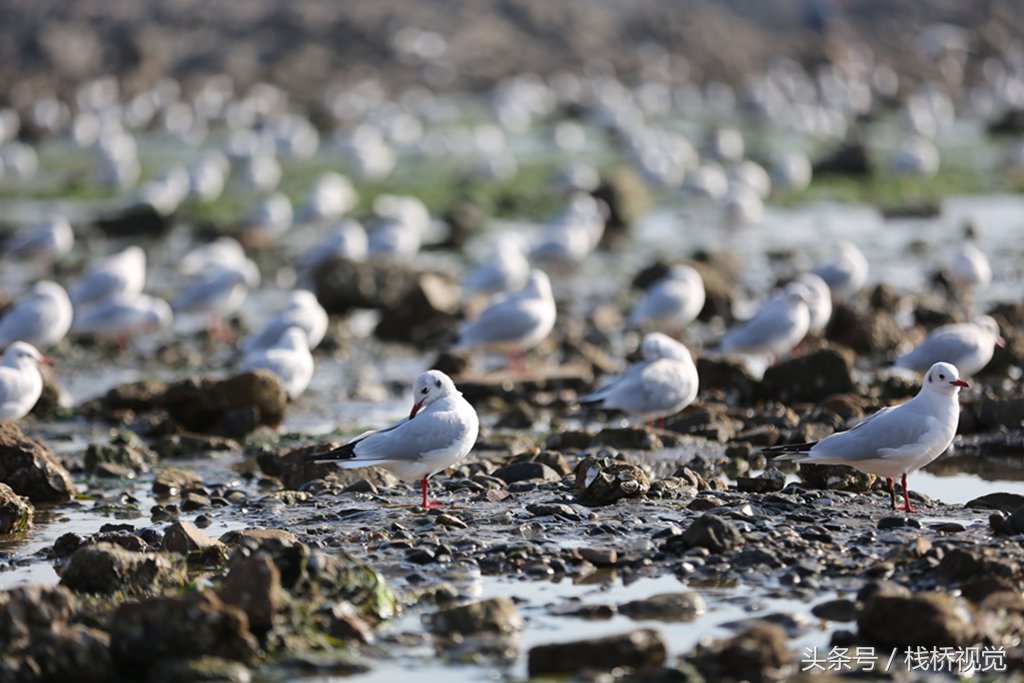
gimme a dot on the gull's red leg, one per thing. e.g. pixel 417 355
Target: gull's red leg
pixel 429 504
pixel 906 495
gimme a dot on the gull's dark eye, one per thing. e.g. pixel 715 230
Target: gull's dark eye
pixel 942 377
pixel 425 390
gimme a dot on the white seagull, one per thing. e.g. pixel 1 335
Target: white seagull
pixel 968 346
pixel 123 273
pixel 219 294
pixel 515 322
pixel 121 318
pixel 439 432
pixel 289 358
pixel 303 312
pixel 662 384
pixel 845 274
pixel 895 441
pixel 505 270
pixel 41 318
pixel 43 241
pixel 819 301
pixel 674 301
pixel 775 329
pixel 20 381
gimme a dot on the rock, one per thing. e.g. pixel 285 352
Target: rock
pixel 756 655
pixel 868 332
pixel 640 650
pixel 599 557
pixel 730 377
pixel 232 406
pixel 184 538
pixel 170 481
pixel 707 422
pixel 666 607
pixel 146 635
pixel 849 159
pixel 125 449
pixel 604 481
pixel 259 536
pixel 294 470
pixel 54 396
pixel 346 624
pixel 769 480
pixel 343 285
pixel 138 220
pixel 425 313
pixel 839 609
pixel 712 532
pixel 254 585
pixel 194 501
pixel 921 620
pixel 569 440
pixel 808 378
pixel 107 568
pixel 31 469
pixel 526 471
pixel 191 445
pixel 554 509
pixel 495 615
pixel 202 670
pixel 131 398
pixel 627 198
pixel 15 511
pixel 836 477
pixel 635 438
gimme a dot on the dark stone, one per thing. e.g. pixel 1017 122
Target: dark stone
pixel 31 469
pixel 125 449
pixel 170 481
pixel 218 405
pixel 808 378
pixel 202 670
pixel 146 635
pixel 525 471
pixel 555 509
pixel 837 477
pixel 640 650
pixel 624 193
pixel 495 615
pixel 258 537
pixel 711 423
pixel 346 624
pixel 922 620
pixel 184 538
pixel 15 511
pixel 712 532
pixel 108 568
pixel 757 655
pixel 959 564
pixel 254 586
pixel 604 481
pixel 666 607
pixel 194 501
pixel 872 331
pixel 294 468
pixel 635 438
pixel 897 522
pixel 769 480
pixel 849 159
pixel 599 557
pixel 570 440
pixel 835 610
pixel 138 220
pixel 191 445
pixel 729 376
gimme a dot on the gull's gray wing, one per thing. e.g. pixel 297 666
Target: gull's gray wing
pixel 413 438
pixel 890 429
pixel 949 345
pixel 505 320
pixel 26 321
pixel 771 322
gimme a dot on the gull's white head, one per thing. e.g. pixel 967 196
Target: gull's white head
pixel 943 378
pixel 990 326
pixel 797 292
pixel 158 314
pixel 539 284
pixel 429 387
pixel 22 355
pixel 657 345
pixel 683 273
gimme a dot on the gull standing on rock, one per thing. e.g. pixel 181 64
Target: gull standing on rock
pixel 123 273
pixel 288 358
pixel 845 274
pixel 506 269
pixel 21 384
pixel 303 312
pixel 896 441
pixel 673 301
pixel 439 432
pixel 662 384
pixel 968 346
pixel 775 329
pixel 513 323
pixel 42 318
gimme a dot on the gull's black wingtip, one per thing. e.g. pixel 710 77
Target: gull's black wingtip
pixel 789 448
pixel 346 452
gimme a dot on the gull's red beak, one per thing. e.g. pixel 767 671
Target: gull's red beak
pixel 1000 342
pixel 47 360
pixel 960 383
pixel 415 409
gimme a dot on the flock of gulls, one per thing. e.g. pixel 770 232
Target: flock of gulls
pixel 110 298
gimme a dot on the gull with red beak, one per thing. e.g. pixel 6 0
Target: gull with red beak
pixel 895 441
pixel 439 432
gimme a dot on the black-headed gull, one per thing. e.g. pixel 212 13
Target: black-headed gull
pixel 846 273
pixel 819 301
pixel 121 318
pixel 673 301
pixel 662 384
pixel 219 294
pixel 515 322
pixel 123 273
pixel 439 432
pixel 41 318
pixel 303 311
pixel 775 329
pixel 288 358
pixel 223 252
pixel 896 441
pixel 505 270
pixel 968 346
pixel 20 381
pixel 43 241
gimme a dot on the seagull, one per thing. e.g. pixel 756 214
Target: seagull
pixel 846 274
pixel 662 384
pixel 223 252
pixel 819 301
pixel 675 300
pixel 968 346
pixel 574 233
pixel 969 270
pixel 20 381
pixel 122 273
pixel 515 322
pixel 439 432
pixel 346 239
pixel 776 329
pixel 895 441
pixel 42 318
pixel 303 312
pixel 121 318
pixel 219 294
pixel 43 241
pixel 289 358
pixel 506 269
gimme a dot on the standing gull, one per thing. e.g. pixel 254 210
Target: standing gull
pixel 845 274
pixel 674 301
pixel 20 381
pixel 775 329
pixel 42 318
pixel 895 441
pixel 439 432
pixel 288 358
pixel 122 318
pixel 968 346
pixel 123 273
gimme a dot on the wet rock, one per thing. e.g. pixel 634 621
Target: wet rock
pixel 138 220
pixel 202 670
pixel 836 477
pixel 769 480
pixel 633 438
pixel 602 481
pixel 258 537
pixel 294 470
pixel 810 377
pixel 959 564
pixel 15 511
pixel 666 607
pixel 756 655
pixel 254 585
pixel 126 399
pixel 125 450
pixel 640 650
pixel 184 538
pixel 67 543
pixel 569 440
pixel 192 445
pixel 731 377
pixel 495 615
pixel 554 509
pixel 172 480
pixel 192 501
pixel 874 331
pixel 849 159
pixel 425 312
pixel 627 198
pixel 927 620
pixel 54 396
pixel 711 423
pixel 232 406
pixel 520 416
pixel 31 469
pixel 107 568
pixel 599 557
pixel 146 635
pixel 346 624
pixel 839 609
pixel 712 532
pixel 343 285
pixel 526 471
